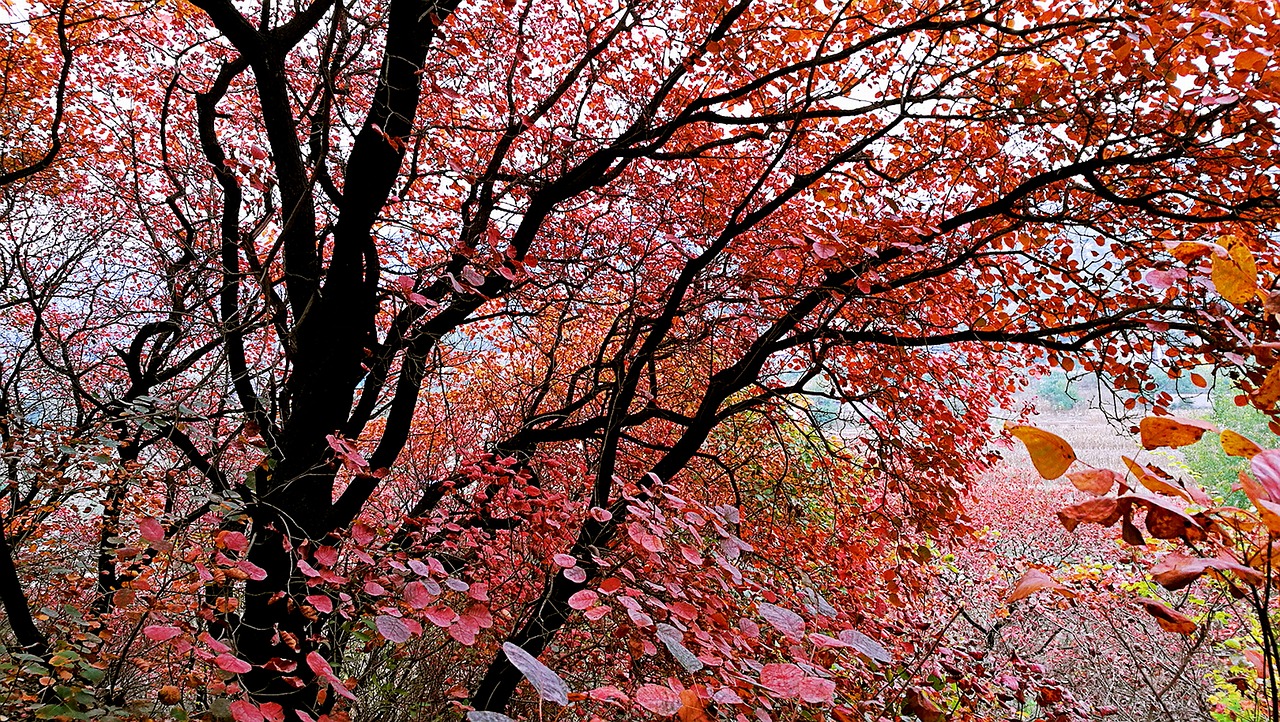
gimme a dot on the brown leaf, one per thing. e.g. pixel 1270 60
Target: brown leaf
pixel 1034 581
pixel 1158 431
pixel 1177 570
pixel 1236 275
pixel 1172 620
pixel 1105 511
pixel 1130 533
pixel 1050 453
pixel 1164 524
pixel 1236 445
pixel 1095 481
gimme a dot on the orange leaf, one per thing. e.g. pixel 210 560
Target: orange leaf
pixel 1268 392
pixel 1236 275
pixel 1095 481
pixel 1158 431
pixel 1269 512
pixel 691 707
pixel 1172 620
pixel 1236 445
pixel 1050 453
pixel 1035 581
pixel 1188 251
pixel 1251 60
pixel 1152 482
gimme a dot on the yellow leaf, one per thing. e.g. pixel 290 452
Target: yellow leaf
pixel 1050 453
pixel 1269 392
pixel 1236 445
pixel 1236 275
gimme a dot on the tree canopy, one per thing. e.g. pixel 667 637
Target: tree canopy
pixel 637 350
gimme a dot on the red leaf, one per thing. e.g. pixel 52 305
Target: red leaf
pixel 242 711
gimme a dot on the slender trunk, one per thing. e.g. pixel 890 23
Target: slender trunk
pixel 16 607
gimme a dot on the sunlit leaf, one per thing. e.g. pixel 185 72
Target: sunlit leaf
pixel 1050 453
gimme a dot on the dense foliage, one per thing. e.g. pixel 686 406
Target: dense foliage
pixel 418 358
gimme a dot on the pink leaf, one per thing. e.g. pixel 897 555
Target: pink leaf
pixel 784 679
pixel 235 541
pixel 160 633
pixel 272 712
pixel 784 620
pixel 866 646
pixel 582 599
pixel 658 700
pixel 441 616
pixel 815 690
pixel 463 634
pixel 470 275
pixel 576 574
pixel 228 663
pixel 242 711
pixel 1266 467
pixel 319 665
pixel 392 628
pixel 416 595
pixel 548 684
pixel 607 694
pixel 564 560
pixel 255 572
pixel 321 602
pixel 151 529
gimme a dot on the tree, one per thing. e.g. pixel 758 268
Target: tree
pixel 425 293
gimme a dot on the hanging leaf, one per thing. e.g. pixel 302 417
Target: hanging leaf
pixel 1105 511
pixel 1095 481
pixel 1170 619
pixel 1235 275
pixel 673 639
pixel 547 683
pixel 784 620
pixel 1177 570
pixel 1158 431
pixel 1034 581
pixel 392 628
pixel 1236 445
pixel 659 700
pixel 1050 453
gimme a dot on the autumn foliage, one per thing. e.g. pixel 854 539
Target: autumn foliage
pixel 418 359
